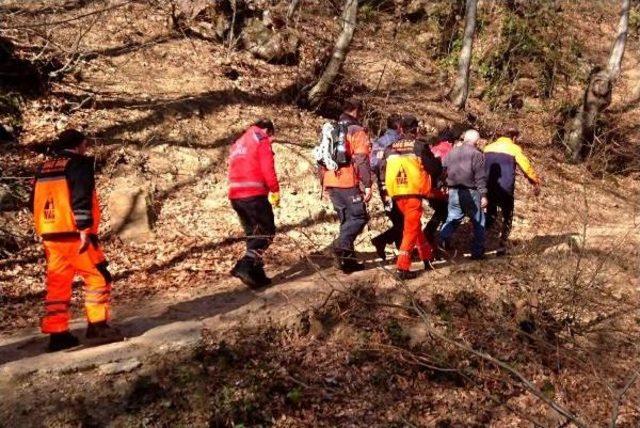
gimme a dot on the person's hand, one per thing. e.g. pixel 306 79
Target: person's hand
pixel 367 195
pixel 274 199
pixel 536 190
pixel 84 241
pixel 484 202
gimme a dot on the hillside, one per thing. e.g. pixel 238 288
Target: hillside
pixel 319 348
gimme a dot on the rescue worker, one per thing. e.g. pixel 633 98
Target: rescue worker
pixel 502 157
pixel 253 190
pixel 67 215
pixel 408 168
pixel 349 188
pixel 467 188
pixel 392 235
pixel 439 200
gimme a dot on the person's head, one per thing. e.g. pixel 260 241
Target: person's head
pixel 353 107
pixel 394 121
pixel 445 135
pixel 71 140
pixel 265 124
pixel 409 125
pixel 471 136
pixel 511 131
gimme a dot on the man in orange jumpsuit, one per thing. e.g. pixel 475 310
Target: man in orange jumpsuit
pixel 409 168
pixel 67 214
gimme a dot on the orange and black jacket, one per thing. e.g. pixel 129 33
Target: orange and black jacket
pixel 420 168
pixel 64 199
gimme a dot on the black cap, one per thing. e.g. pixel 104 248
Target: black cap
pixel 69 139
pixel 409 123
pixel 266 124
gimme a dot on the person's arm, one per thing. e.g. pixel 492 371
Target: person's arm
pixel 479 173
pixel 80 176
pixel 525 165
pixel 267 165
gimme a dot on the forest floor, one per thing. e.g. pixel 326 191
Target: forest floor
pixel 318 347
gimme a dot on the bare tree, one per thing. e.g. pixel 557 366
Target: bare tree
pixel 293 6
pixel 617 50
pixel 320 89
pixel 579 127
pixel 460 89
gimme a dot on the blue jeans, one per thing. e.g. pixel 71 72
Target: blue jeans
pixel 465 203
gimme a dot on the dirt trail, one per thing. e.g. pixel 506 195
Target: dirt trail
pixel 160 326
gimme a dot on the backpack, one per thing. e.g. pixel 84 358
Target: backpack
pixel 331 151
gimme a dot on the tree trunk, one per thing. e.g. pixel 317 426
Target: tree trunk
pixel 293 7
pixel 617 50
pixel 579 128
pixel 460 89
pixel 320 89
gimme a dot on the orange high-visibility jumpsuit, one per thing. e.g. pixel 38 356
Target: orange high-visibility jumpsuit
pixel 412 236
pixel 64 203
pixel 408 183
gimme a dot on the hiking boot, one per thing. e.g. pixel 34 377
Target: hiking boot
pixel 445 251
pixel 380 245
pixel 349 262
pixel 427 265
pixel 243 270
pixel 405 275
pixel 502 249
pixel 260 276
pixel 60 341
pixel 352 266
pixel 477 257
pixel 103 332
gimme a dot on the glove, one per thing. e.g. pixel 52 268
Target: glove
pixel 274 199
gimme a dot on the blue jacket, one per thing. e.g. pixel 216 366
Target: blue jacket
pixel 379 146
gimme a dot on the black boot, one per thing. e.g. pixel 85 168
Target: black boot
pixel 103 332
pixel 428 265
pixel 405 275
pixel 260 276
pixel 60 341
pixel 244 271
pixel 380 244
pixel 350 263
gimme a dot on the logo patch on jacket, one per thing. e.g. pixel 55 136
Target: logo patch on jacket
pixel 49 210
pixel 401 177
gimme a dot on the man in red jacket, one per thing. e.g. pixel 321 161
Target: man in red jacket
pixel 253 189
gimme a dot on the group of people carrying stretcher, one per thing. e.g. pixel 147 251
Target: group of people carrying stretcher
pixel 454 177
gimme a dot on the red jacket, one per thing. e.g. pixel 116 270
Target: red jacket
pixel 251 167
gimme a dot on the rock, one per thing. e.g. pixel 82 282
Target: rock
pixel 129 208
pixel 119 367
pixel 271 45
pixel 8 200
pixel 316 329
pixel 165 158
pixel 426 39
pixel 417 334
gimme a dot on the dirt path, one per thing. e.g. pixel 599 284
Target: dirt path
pixel 157 326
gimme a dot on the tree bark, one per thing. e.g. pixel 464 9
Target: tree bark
pixel 460 89
pixel 322 86
pixel 579 128
pixel 293 7
pixel 617 50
